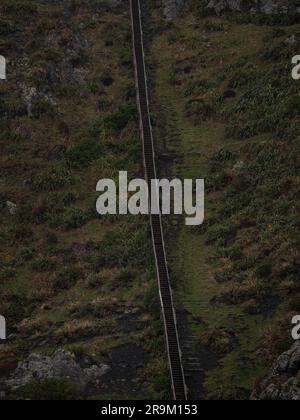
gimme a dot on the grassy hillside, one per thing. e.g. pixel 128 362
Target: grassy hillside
pixel 228 111
pixel 224 108
pixel 69 278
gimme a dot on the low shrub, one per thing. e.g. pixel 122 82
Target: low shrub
pixel 43 107
pixel 127 245
pixel 18 8
pixel 83 153
pixel 281 19
pixel 67 278
pixel 42 264
pixel 197 87
pixel 264 271
pixel 221 233
pixel 125 277
pixel 199 110
pixel 119 121
pixel 53 179
pixel 49 390
pixel 74 218
pixel 78 351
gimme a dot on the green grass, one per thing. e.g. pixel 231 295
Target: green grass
pixel 218 271
pixel 85 152
pixel 49 390
pixel 67 276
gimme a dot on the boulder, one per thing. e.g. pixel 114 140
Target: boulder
pixel 11 207
pixel 62 365
pixel 282 381
pixel 172 8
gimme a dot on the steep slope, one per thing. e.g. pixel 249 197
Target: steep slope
pixel 70 279
pixel 228 111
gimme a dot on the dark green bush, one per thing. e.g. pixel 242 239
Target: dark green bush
pixel 293 106
pixel 83 153
pixel 103 104
pixel 49 390
pixel 19 8
pixel 43 107
pixel 5 27
pixel 221 233
pixel 151 301
pixel 112 123
pixel 75 218
pixel 127 245
pixel 265 107
pixel 279 52
pixel 126 56
pixel 219 159
pixel 69 198
pixel 89 310
pixel 125 277
pixel 19 307
pixel 42 264
pixel 281 19
pixel 197 87
pixel 53 179
pixel 67 278
pixel 199 110
pixel 264 271
pixel 217 181
pixel 119 120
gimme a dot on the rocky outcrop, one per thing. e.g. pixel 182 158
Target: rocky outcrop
pixel 283 380
pixel 172 8
pixel 264 6
pixel 62 365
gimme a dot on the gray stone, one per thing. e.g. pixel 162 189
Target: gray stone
pixel 275 6
pixel 220 6
pixel 12 207
pixel 29 95
pixel 282 381
pixel 172 8
pixel 293 40
pixel 294 362
pixel 62 365
pixel 264 6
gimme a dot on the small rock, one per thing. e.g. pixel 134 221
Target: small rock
pixel 12 207
pixel 238 166
pixel 293 40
